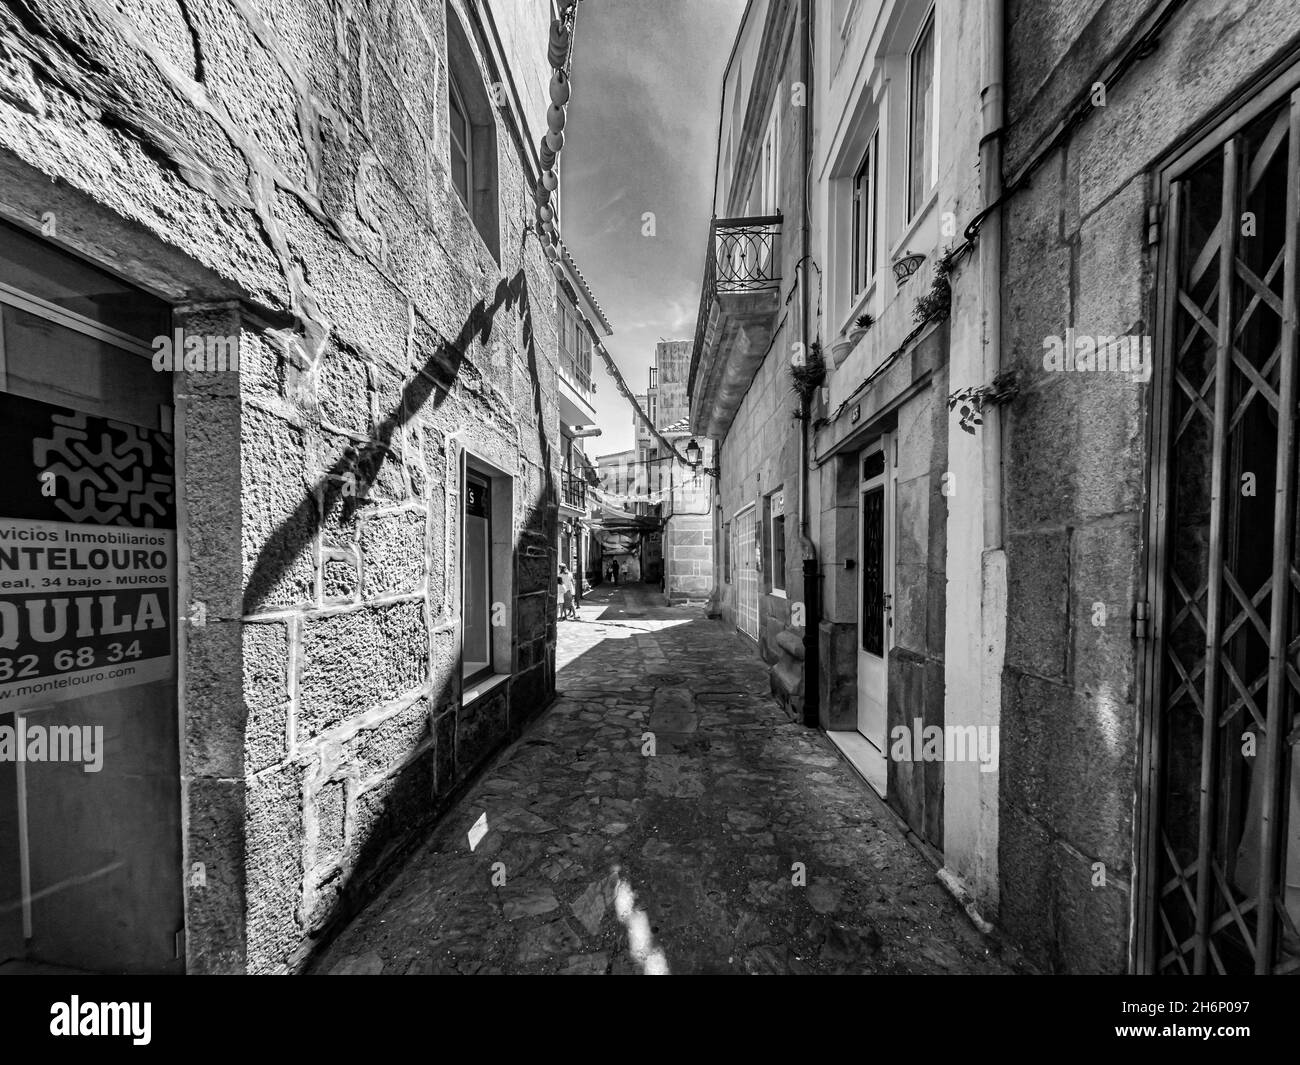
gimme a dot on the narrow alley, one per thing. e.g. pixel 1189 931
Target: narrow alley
pixel 596 487
pixel 657 819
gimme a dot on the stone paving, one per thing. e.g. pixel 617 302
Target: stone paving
pixel 608 850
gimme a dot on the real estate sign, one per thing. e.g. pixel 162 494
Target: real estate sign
pixel 87 555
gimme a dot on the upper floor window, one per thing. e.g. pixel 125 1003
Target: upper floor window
pixel 471 135
pixel 923 155
pixel 769 164
pixel 575 347
pixel 727 169
pixel 865 199
pixel 461 140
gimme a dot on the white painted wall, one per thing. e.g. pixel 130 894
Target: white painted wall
pixel 862 85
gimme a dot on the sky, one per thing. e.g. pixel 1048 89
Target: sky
pixel 641 137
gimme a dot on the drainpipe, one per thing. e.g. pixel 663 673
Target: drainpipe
pixel 990 237
pixel 975 881
pixel 811 577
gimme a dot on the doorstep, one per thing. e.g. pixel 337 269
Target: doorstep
pixel 867 760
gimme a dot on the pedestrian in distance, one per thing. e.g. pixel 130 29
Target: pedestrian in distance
pixel 613 569
pixel 567 610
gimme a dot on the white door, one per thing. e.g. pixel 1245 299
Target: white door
pixel 875 590
pixel 747 573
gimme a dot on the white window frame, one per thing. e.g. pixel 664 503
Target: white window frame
pixel 482 668
pixel 865 225
pixel 929 24
pixel 769 162
pixel 500 503
pixel 770 516
pixel 456 99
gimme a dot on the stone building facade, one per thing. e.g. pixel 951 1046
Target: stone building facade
pixel 1110 488
pixel 1044 483
pixel 739 380
pixel 365 512
pixel 684 493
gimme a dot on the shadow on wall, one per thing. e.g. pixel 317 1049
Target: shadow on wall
pixel 360 467
pixel 434 770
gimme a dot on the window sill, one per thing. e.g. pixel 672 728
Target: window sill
pixel 909 234
pixel 860 304
pixel 481 687
pixel 778 593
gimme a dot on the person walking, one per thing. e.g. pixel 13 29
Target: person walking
pixel 567 610
pixel 613 568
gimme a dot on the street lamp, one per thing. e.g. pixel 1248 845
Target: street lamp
pixel 693 456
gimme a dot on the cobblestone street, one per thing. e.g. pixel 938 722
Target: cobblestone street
pixel 682 860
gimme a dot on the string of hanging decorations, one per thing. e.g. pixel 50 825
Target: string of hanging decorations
pixel 650 495
pixel 559 54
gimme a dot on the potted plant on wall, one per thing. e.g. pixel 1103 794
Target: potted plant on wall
pixel 861 324
pixel 846 343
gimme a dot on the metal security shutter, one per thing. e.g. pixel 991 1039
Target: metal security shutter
pixel 747 572
pixel 1217 842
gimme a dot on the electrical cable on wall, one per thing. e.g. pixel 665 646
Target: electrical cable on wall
pixel 1137 51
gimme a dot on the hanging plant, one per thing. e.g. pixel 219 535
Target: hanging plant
pixel 936 304
pixel 810 374
pixel 970 402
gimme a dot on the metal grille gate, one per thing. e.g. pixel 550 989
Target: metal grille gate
pixel 873 571
pixel 1218 843
pixel 747 573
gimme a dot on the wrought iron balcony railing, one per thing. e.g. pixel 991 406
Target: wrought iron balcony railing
pixel 743 256
pixel 744 252
pixel 575 491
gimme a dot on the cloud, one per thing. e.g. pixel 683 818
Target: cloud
pixel 642 136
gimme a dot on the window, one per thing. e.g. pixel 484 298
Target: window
pixel 738 99
pixel 461 136
pixel 575 348
pixel 865 201
pixel 477 592
pixel 774 541
pixel 769 164
pixel 471 135
pixel 923 155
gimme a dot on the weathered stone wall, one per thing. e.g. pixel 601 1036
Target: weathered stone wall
pixel 688 557
pixel 295 153
pixel 673 358
pixel 1075 450
pixel 761 451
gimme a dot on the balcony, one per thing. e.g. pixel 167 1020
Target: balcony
pixel 574 489
pixel 575 372
pixel 739 303
pixel 576 386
